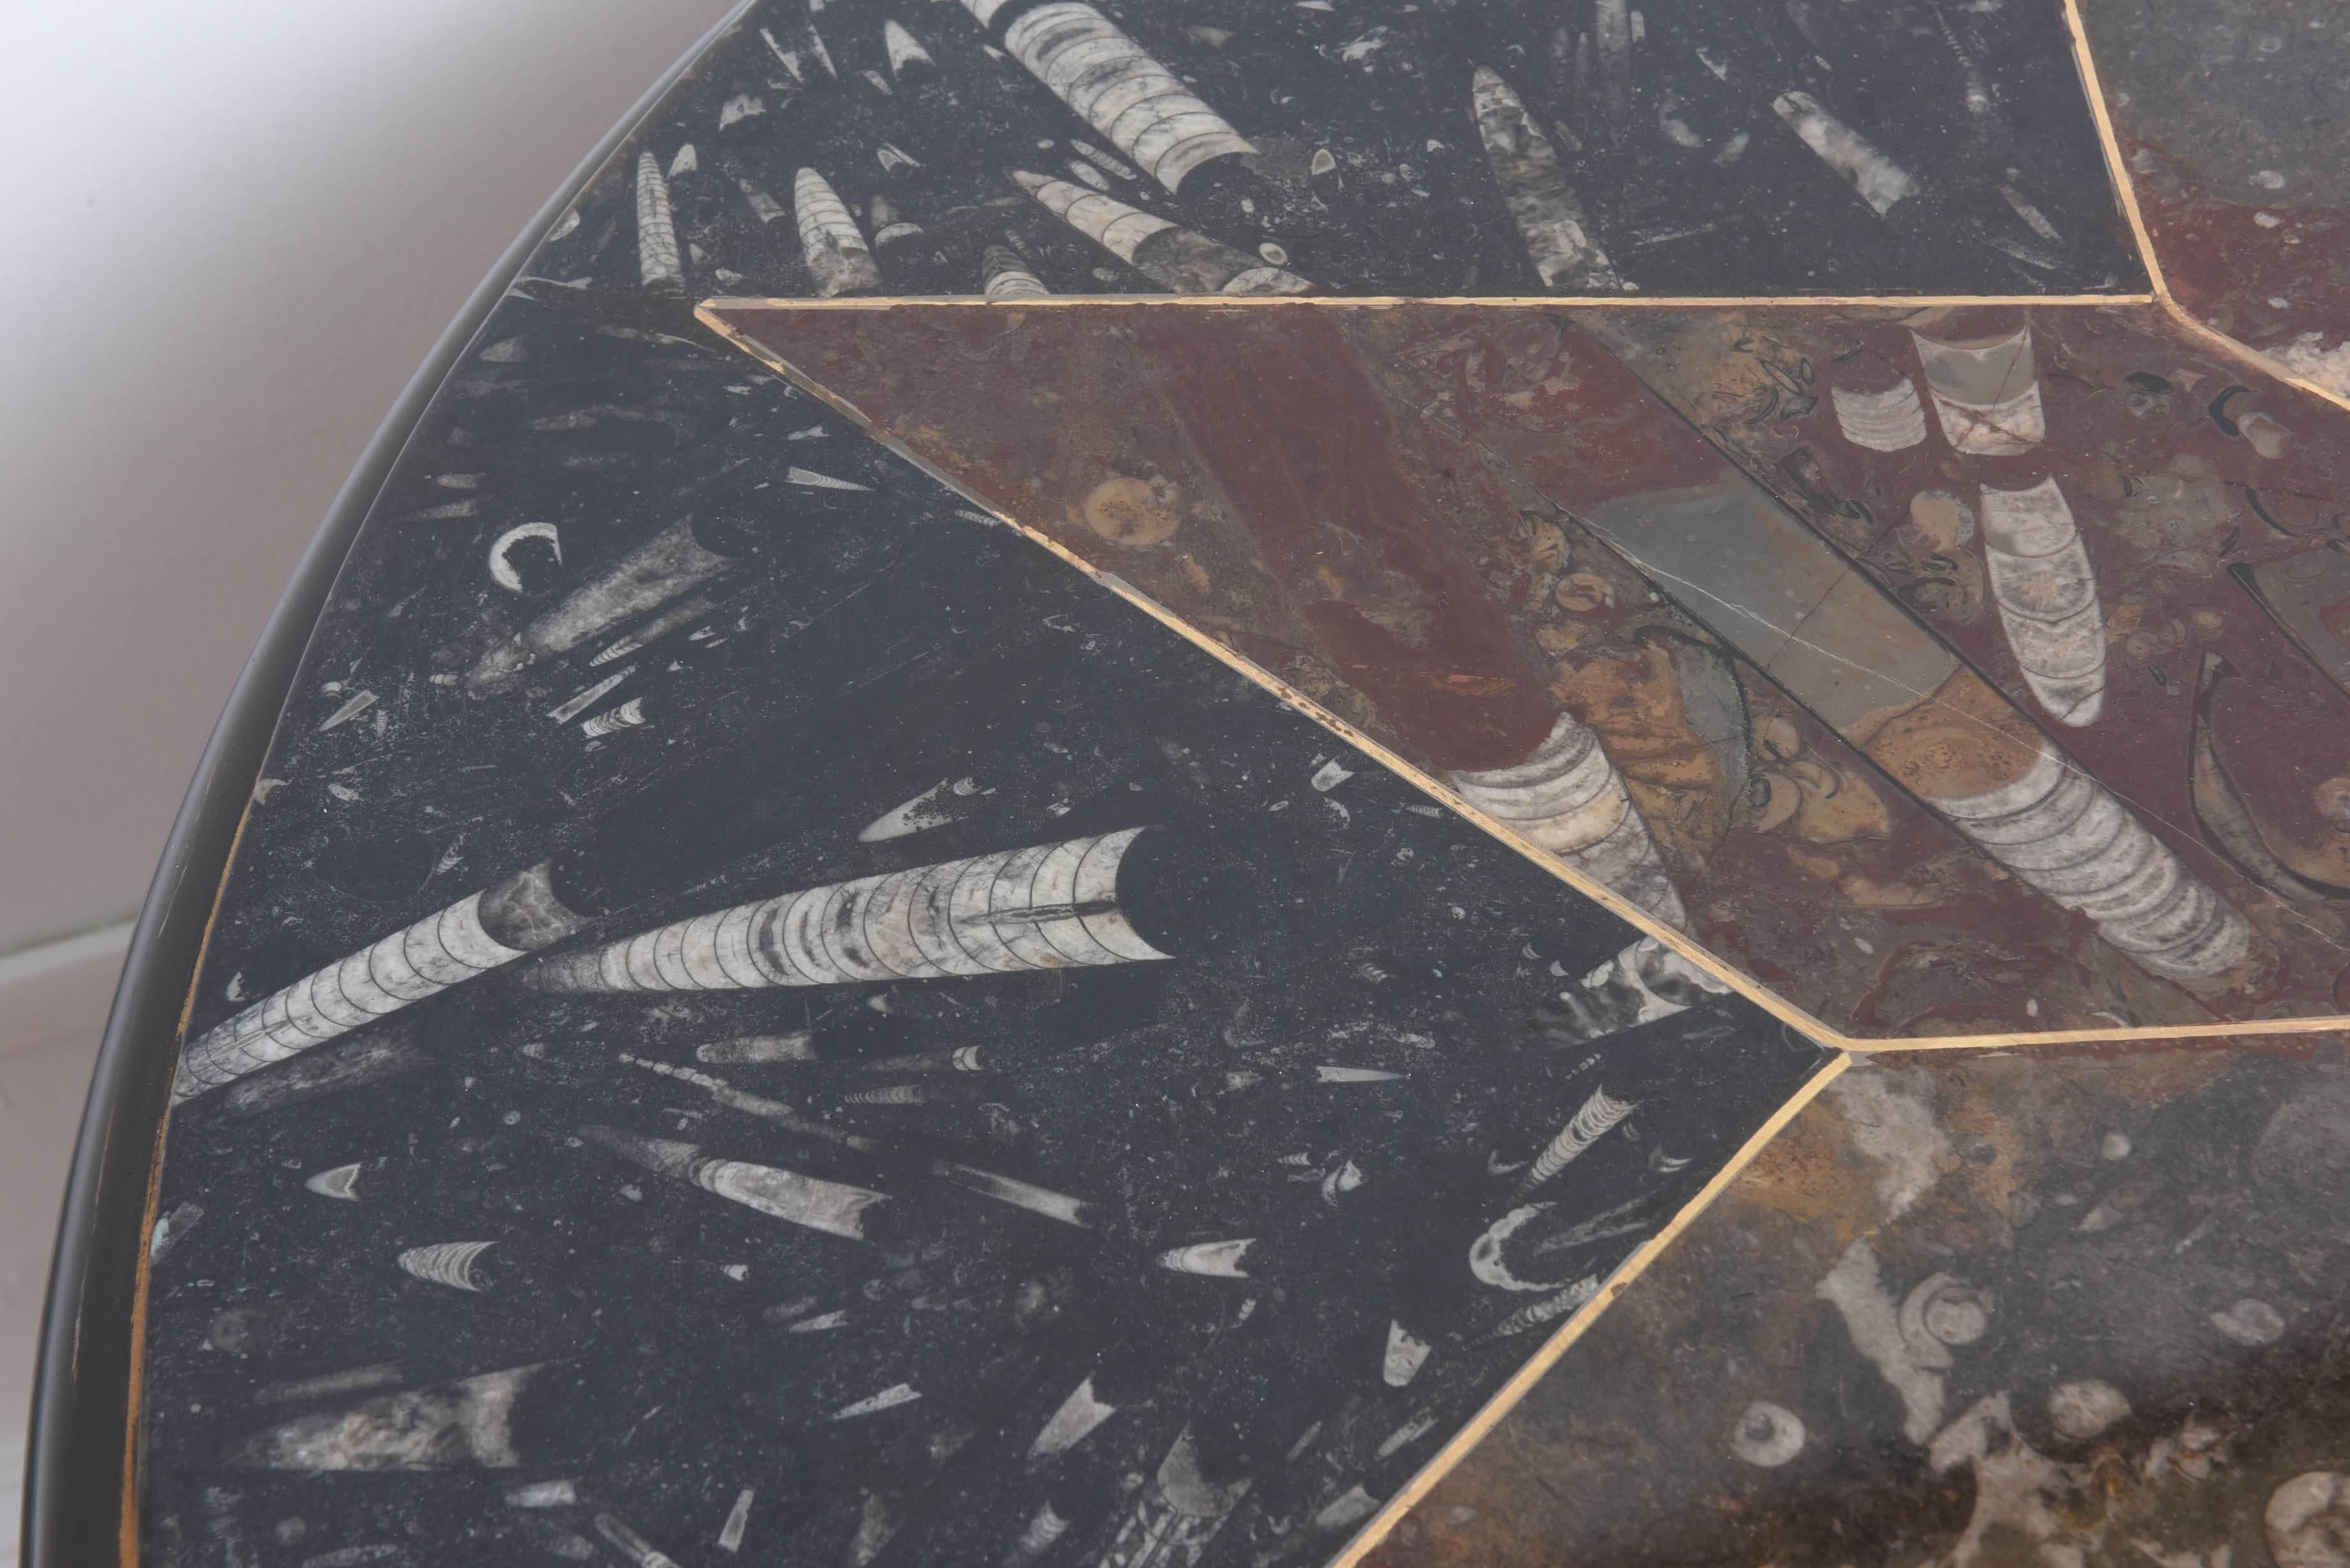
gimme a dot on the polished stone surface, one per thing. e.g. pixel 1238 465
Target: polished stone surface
pixel 2043 1309
pixel 1027 929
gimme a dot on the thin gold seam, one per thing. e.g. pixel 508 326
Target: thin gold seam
pixel 134 1394
pixel 1505 1400
pixel 1605 896
pixel 2094 86
pixel 1389 301
pixel 2251 1030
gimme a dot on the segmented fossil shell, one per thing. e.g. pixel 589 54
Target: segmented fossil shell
pixel 839 259
pixel 444 948
pixel 2071 838
pixel 1049 906
pixel 1219 1258
pixel 446 1262
pixel 1597 1117
pixel 1568 798
pixel 1890 421
pixel 1108 79
pixel 658 265
pixel 2046 592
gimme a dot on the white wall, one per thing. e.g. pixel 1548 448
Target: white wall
pixel 232 230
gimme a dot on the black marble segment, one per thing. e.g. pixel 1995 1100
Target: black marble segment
pixel 639 1350
pixel 1371 175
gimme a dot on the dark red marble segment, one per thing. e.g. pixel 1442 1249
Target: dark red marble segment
pixel 2039 1308
pixel 2206 500
pixel 2228 120
pixel 1444 522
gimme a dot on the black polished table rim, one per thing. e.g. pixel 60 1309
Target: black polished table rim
pixel 83 1419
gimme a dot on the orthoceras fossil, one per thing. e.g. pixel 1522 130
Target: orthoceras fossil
pixel 1912 707
pixel 1052 905
pixel 1106 77
pixel 474 935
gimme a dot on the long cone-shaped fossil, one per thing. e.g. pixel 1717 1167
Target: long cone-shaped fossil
pixel 447 948
pixel 2046 592
pixel 1163 252
pixel 1568 798
pixel 1557 234
pixel 658 261
pixel 835 1207
pixel 839 259
pixel 1052 906
pixel 1106 79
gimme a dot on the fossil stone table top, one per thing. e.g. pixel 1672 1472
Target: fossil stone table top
pixel 1229 784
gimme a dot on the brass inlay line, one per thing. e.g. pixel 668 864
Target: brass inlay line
pixel 134 1403
pixel 1450 1455
pixel 1388 301
pixel 2117 169
pixel 1605 896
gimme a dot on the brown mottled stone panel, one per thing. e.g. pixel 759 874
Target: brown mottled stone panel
pixel 1976 1309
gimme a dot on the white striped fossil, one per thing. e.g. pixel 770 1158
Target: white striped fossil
pixel 808 479
pixel 443 949
pixel 2046 592
pixel 1534 186
pixel 1049 906
pixel 1879 181
pixel 1005 277
pixel 1109 82
pixel 1567 798
pixel 1597 1117
pixel 1219 1258
pixel 1534 1315
pixel 2069 838
pixel 1986 394
pixel 1890 421
pixel 839 259
pixel 794 1047
pixel 1044 1528
pixel 629 715
pixel 1174 257
pixel 446 1262
pixel 657 262
pixel 1403 1437
pixel 835 1207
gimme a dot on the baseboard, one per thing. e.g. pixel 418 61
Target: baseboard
pixel 59 989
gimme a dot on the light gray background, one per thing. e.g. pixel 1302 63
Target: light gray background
pixel 233 229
